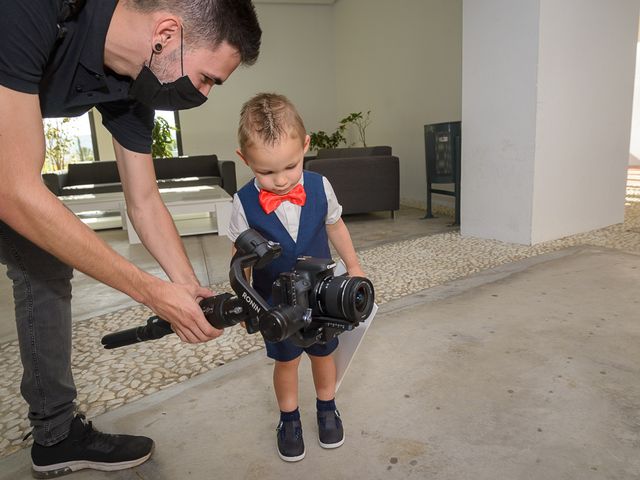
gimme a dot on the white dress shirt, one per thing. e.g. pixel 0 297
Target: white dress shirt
pixel 287 212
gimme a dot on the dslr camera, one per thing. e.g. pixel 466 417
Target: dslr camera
pixel 309 304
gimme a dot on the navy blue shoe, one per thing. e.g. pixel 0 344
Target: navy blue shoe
pixel 290 442
pixel 330 431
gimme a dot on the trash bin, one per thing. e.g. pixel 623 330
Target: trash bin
pixel 442 157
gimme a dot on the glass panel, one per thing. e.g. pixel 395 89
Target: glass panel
pixel 67 140
pixel 165 119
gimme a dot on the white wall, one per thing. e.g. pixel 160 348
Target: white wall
pixel 103 138
pixel 500 48
pixel 634 147
pixel 585 90
pixel 401 60
pixel 547 96
pixel 297 59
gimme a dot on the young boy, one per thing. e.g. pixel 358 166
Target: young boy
pixel 299 210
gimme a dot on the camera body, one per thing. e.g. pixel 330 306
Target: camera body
pixel 319 305
pixel 300 287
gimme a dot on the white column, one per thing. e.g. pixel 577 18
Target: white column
pixel 634 147
pixel 546 116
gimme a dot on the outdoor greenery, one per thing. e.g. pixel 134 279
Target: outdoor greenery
pixel 63 145
pixel 322 139
pixel 163 143
pixel 58 143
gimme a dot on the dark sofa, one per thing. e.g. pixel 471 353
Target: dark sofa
pixel 365 179
pixel 103 177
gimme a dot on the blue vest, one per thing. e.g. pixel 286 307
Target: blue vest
pixel 312 232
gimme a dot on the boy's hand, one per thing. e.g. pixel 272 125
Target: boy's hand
pixel 356 272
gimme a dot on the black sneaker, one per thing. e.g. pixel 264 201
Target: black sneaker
pixel 290 442
pixel 330 431
pixel 88 448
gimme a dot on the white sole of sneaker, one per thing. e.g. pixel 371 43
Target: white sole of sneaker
pixel 331 445
pixel 59 469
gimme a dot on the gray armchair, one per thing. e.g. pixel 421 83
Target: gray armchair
pixel 365 179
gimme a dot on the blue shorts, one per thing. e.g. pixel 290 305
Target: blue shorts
pixel 286 351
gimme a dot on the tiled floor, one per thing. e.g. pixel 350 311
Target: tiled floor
pixel 108 379
pixel 210 255
pixel 402 257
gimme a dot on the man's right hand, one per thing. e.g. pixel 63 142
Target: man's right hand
pixel 179 305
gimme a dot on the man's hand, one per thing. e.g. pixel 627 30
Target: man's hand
pixel 179 305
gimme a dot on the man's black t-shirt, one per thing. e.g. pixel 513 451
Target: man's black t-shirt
pixel 69 74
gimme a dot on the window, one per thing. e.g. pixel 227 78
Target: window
pixel 173 123
pixel 73 140
pixel 69 140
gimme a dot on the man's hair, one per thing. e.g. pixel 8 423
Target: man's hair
pixel 213 22
pixel 269 117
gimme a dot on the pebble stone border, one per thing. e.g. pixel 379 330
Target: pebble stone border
pixel 107 379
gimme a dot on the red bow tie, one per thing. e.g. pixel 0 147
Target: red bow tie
pixel 269 201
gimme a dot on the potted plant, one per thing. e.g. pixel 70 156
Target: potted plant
pixel 361 122
pixel 321 139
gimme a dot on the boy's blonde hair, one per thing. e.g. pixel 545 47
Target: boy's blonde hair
pixel 268 118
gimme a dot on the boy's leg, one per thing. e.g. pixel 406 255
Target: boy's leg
pixel 289 432
pixel 324 376
pixel 285 383
pixel 330 430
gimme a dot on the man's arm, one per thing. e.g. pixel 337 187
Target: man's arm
pixel 341 240
pixel 27 206
pixel 150 216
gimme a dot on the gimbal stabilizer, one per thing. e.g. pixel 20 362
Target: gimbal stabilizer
pixel 312 305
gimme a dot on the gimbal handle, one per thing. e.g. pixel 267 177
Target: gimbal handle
pixel 223 310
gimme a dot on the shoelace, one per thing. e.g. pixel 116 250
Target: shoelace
pixel 89 435
pixel 99 440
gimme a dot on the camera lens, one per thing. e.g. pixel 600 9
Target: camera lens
pixel 282 322
pixel 349 298
pixel 361 298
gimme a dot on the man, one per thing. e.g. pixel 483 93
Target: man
pixel 127 58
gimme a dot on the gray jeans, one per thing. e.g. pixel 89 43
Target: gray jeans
pixel 42 296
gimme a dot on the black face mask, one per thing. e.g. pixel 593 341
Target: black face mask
pixel 178 95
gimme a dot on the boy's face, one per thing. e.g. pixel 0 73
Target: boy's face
pixel 278 167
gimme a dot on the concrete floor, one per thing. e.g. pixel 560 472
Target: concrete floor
pixel 210 256
pixel 526 371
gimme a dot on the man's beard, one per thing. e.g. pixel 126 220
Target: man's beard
pixel 164 67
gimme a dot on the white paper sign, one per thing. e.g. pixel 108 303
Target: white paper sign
pixel 349 341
